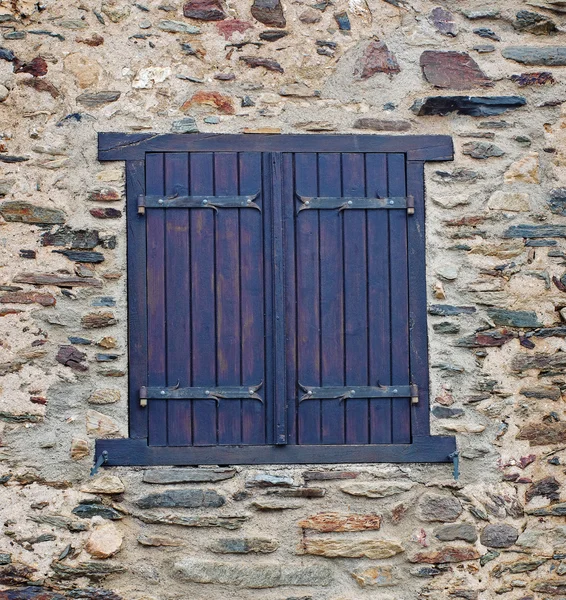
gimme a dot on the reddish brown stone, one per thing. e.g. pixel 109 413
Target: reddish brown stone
pixel 548 487
pixel 452 70
pixel 269 12
pixel 376 59
pixel 93 40
pixel 444 22
pixel 58 280
pixel 42 85
pixel 538 78
pixel 38 400
pixel 216 100
pixel 25 212
pixel 327 522
pixel 266 63
pixel 467 221
pixel 448 554
pixel 543 434
pixel 105 195
pixel 105 213
pixel 228 28
pixel 28 298
pixel 204 10
pixel 97 320
pixel 398 513
pixel 70 357
pixel 36 67
pixel 9 311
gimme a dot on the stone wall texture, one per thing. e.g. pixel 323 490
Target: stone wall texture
pixel 492 74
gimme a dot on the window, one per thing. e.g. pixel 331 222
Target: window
pixel 277 299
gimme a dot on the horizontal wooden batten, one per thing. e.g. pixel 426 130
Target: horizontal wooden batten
pixel 130 452
pixel 133 146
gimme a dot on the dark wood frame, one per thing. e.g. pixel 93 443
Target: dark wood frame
pixel 135 450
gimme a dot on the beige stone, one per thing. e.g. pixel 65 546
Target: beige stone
pixel 147 78
pixel 115 10
pixel 107 342
pixel 101 425
pixel 347 548
pixel 105 484
pixel 525 170
pixel 509 201
pixel 104 541
pixel 379 576
pixel 79 449
pixel 86 71
pixel 104 396
pixel 376 489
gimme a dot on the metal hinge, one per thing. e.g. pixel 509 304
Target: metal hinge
pixel 350 203
pixel 350 392
pixel 214 202
pixel 244 392
pixel 102 459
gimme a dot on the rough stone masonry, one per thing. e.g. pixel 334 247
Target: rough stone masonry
pixel 489 73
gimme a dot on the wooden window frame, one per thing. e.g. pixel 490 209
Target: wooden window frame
pixel 135 450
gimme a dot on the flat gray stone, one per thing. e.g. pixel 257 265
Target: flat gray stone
pixel 244 546
pixel 457 531
pixel 434 507
pixel 165 476
pixel 499 535
pixel 552 56
pixel 182 499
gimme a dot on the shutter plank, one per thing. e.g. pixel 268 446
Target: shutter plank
pixel 203 299
pixel 308 299
pixel 253 324
pixel 331 299
pixel 177 269
pixel 401 411
pixel 228 297
pixel 356 286
pixel 380 339
pixel 156 307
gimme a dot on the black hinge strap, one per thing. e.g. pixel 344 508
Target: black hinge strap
pixel 244 392
pixel 349 203
pixel 356 391
pixel 214 202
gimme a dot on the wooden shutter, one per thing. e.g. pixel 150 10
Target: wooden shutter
pixel 277 300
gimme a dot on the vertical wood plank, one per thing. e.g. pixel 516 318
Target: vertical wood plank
pixel 157 336
pixel 356 301
pixel 203 298
pixel 308 299
pixel 379 290
pixel 137 297
pixel 228 296
pixel 331 299
pixel 401 410
pixel 420 415
pixel 252 299
pixel 178 301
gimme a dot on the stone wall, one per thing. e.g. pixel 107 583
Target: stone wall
pixel 497 303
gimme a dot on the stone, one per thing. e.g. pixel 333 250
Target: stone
pixel 457 531
pixel 554 587
pixel 7 55
pixel 513 318
pixel 267 63
pixel 115 10
pixel 486 32
pixel 101 425
pixel 24 212
pixel 381 124
pixel 87 72
pixel 95 99
pixel 343 21
pixel 244 546
pixel 204 10
pixel 509 201
pixel 148 77
pixel 228 27
pixel 350 548
pixel 104 541
pixel 557 201
pixel 543 434
pixel 42 85
pixel 452 70
pixel 535 23
pixel 98 320
pixel 473 106
pixel 550 56
pixel 160 540
pixel 104 396
pixel 57 280
pixel 486 339
pixel 445 412
pixel 16 574
pixel 481 150
pixel 215 100
pixel 376 489
pixel 104 484
pixel 272 35
pixel 43 299
pixel 90 569
pixel 331 521
pixel 484 13
pixel 105 213
pixel 542 393
pixel 254 576
pixel 36 67
pixel 539 360
pixel 104 194
pixel 5 559
pixel 224 521
pixel 537 78
pixel 554 510
pixel 269 12
pixel 93 41
pixel 302 492
pixel 187 475
pixel 297 90
pixel 499 535
pixel 329 475
pixel 82 256
pixel 535 231
pixel 79 449
pixel 70 357
pixel 189 498
pixel 548 487
pixel 83 239
pixel 447 310
pixel 525 170
pixel 310 16
pixel 379 576
pixel 444 21
pixel 434 507
pixel 376 58
pixel 4 93
pixel 519 566
pixel 177 27
pixel 274 505
pixel 266 480
pixel 184 125
pixel 87 511
pixel 447 554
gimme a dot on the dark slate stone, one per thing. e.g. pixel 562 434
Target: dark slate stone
pixel 557 201
pixel 445 412
pixel 444 21
pixel 343 21
pixel 94 99
pixel 187 475
pixel 87 511
pixel 546 332
pixel 548 487
pixel 457 531
pixel 6 54
pixel 182 499
pixel 554 510
pixel 481 150
pixel 513 318
pixel 485 32
pixel 533 22
pixel 484 48
pixel 452 70
pixel 447 310
pixel 80 341
pixel 272 35
pixel 446 327
pixel 5 559
pixel 536 231
pixel 82 256
pixel 83 239
pixel 538 78
pixel 266 63
pixel 458 175
pixel 91 569
pixel 70 357
pixel 473 106
pixel 269 12
pixel 106 357
pixel 244 546
pixel 486 339
pixel 103 301
pixel 540 243
pixel 551 56
pixel 376 58
pixel 204 10
pixel 28 253
pixel 499 535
